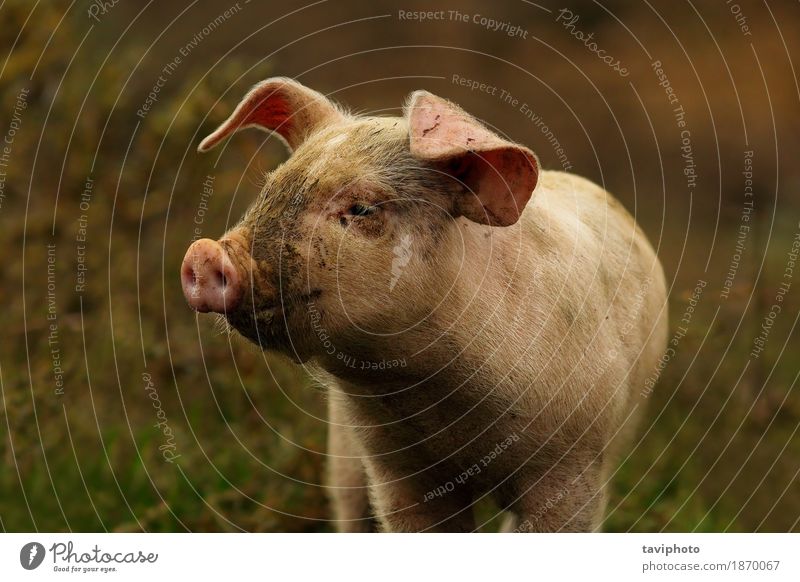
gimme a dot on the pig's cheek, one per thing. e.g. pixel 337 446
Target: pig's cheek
pixel 316 262
pixel 373 227
pixel 320 255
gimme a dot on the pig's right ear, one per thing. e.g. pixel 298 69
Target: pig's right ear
pixel 499 175
pixel 281 105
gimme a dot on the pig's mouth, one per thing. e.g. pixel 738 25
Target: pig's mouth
pixel 222 277
pixel 276 327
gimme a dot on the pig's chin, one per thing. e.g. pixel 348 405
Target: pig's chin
pixel 270 330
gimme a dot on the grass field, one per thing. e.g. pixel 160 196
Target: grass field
pixel 124 411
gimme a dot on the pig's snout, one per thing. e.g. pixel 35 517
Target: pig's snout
pixel 209 279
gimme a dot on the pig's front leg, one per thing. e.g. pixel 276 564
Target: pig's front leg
pixel 406 504
pixel 570 497
pixel 347 480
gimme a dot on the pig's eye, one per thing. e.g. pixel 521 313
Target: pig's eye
pixel 361 210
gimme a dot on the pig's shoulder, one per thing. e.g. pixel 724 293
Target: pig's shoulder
pixel 571 199
pixel 563 188
pixel 572 214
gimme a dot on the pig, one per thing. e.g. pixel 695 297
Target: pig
pixel 484 328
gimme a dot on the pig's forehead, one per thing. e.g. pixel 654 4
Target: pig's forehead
pixel 359 133
pixel 353 144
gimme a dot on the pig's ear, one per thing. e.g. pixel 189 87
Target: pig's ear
pixel 280 105
pixel 499 174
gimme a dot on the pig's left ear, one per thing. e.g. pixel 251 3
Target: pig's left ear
pixel 279 104
pixel 499 174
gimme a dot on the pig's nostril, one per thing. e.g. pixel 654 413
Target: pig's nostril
pixel 189 275
pixel 219 278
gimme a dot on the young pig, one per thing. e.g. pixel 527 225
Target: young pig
pixel 484 327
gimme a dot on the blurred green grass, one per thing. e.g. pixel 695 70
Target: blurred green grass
pixel 714 454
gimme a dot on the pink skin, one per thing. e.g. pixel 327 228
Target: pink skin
pixel 210 281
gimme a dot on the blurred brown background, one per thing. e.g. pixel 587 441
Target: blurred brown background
pixel 121 410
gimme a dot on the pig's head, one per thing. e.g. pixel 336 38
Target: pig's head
pixel 356 236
